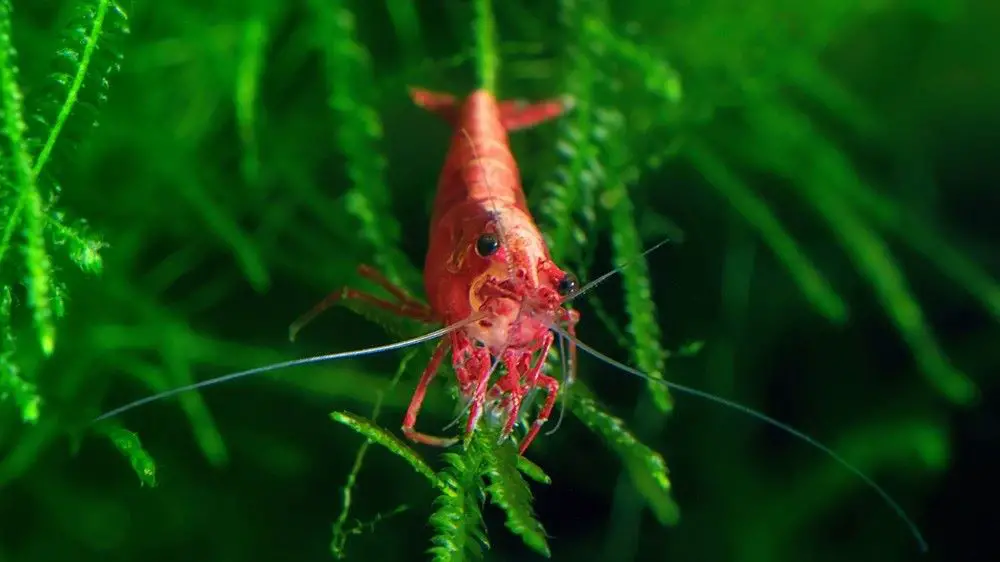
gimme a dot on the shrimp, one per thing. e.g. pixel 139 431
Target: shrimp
pixel 485 255
pixel 491 281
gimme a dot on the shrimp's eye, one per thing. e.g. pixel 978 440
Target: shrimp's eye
pixel 567 285
pixel 487 245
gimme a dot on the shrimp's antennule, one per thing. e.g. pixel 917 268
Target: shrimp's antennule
pixel 292 363
pixel 914 530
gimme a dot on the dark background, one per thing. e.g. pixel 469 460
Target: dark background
pixel 219 174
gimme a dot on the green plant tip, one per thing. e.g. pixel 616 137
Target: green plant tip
pixel 32 410
pixel 48 340
pixel 376 434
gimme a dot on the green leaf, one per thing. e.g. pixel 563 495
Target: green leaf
pixel 459 533
pixel 92 17
pixel 921 235
pixel 566 200
pixel 128 444
pixel 39 266
pixel 532 470
pixel 824 176
pixel 340 534
pixel 82 246
pixel 628 248
pixel 378 435
pixel 758 215
pixel 24 393
pixel 508 490
pixel 645 466
pixel 660 77
pixel 359 137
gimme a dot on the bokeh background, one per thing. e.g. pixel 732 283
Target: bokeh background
pixel 825 170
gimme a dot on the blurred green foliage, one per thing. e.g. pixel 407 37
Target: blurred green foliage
pixel 179 180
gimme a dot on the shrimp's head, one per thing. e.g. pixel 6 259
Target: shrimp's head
pixel 516 283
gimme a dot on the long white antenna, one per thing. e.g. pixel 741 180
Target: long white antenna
pixel 292 363
pixel 914 530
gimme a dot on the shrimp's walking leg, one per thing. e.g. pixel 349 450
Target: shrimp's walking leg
pixel 410 419
pixel 551 387
pixel 406 306
pixel 535 379
pixel 473 375
pixel 510 388
pixel 404 299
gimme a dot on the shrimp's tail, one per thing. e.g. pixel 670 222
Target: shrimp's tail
pixel 514 114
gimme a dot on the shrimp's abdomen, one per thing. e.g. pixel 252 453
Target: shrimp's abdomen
pixel 479 166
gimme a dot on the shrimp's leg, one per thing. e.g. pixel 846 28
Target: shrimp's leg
pixel 535 379
pixel 404 299
pixel 551 387
pixel 410 419
pixel 406 306
pixel 510 386
pixel 474 382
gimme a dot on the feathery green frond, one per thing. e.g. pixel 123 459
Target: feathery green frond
pixel 874 258
pixel 359 134
pixel 824 176
pixel 925 238
pixel 38 279
pixel 566 205
pixel 628 247
pixel 510 492
pixel 339 541
pixel 80 81
pixel 378 435
pixel 645 466
pixel 459 534
pixel 82 245
pixel 660 78
pixel 268 144
pixel 759 216
pixel 12 386
pixel 532 470
pixel 130 447
pixel 31 213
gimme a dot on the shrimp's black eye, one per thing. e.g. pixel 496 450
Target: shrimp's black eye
pixel 487 245
pixel 567 285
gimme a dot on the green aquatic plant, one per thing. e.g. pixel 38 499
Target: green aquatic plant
pixel 249 157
